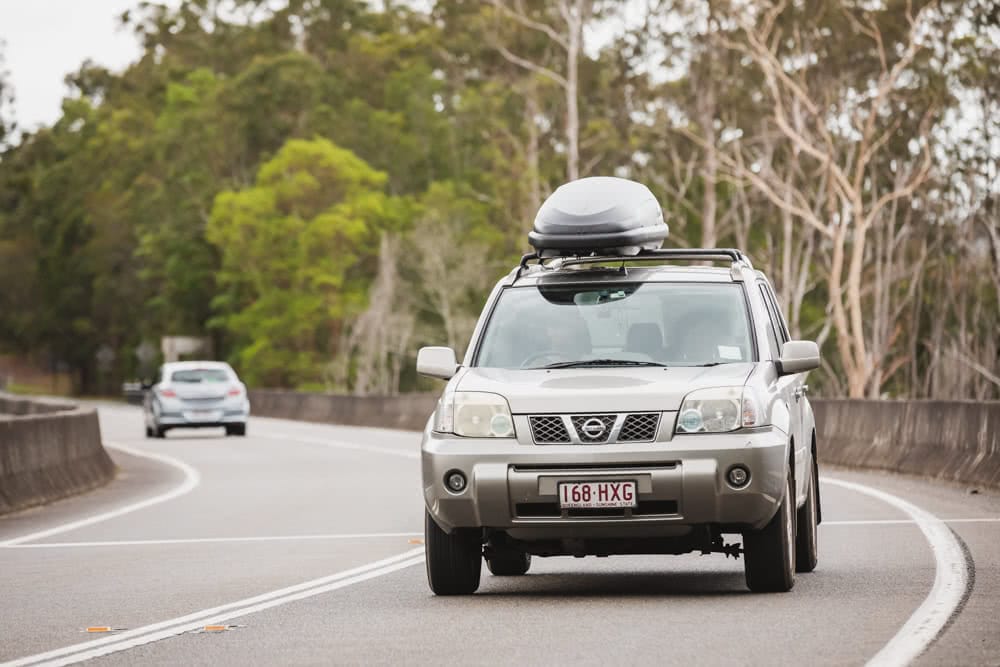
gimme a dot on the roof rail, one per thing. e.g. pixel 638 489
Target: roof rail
pixel 694 254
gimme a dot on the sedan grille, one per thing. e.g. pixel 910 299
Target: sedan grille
pixel 549 429
pixel 640 427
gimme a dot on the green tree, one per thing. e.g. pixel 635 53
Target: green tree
pixel 293 249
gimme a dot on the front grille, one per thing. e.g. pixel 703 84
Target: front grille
pixel 583 422
pixel 594 429
pixel 640 427
pixel 549 429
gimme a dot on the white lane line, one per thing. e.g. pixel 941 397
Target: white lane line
pixel 191 480
pixel 216 615
pixel 341 444
pixel 888 522
pixel 951 578
pixel 209 540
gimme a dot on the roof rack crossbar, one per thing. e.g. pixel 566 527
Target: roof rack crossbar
pixel 694 254
pixel 719 254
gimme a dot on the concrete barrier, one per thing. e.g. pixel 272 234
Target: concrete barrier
pixel 951 440
pixel 48 450
pixel 406 411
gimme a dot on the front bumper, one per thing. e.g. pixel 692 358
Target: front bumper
pixel 512 486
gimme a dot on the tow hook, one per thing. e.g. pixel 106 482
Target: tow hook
pixel 719 547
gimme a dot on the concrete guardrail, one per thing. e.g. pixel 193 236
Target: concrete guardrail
pixel 957 441
pixel 405 411
pixel 48 450
pixel 951 440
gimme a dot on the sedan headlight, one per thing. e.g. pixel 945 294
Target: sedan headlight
pixel 474 414
pixel 718 410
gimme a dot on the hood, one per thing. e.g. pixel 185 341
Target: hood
pixel 618 389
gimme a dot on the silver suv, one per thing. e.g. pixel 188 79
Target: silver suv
pixel 615 399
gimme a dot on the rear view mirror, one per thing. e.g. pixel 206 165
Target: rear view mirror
pixel 798 356
pixel 437 362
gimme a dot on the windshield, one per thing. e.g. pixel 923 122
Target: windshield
pixel 200 375
pixel 669 324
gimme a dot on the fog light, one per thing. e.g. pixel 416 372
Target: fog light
pixel 738 476
pixel 455 481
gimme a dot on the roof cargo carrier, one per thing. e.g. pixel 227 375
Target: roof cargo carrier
pixel 601 215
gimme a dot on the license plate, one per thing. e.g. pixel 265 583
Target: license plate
pixel 597 494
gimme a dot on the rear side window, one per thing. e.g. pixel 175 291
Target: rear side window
pixel 206 375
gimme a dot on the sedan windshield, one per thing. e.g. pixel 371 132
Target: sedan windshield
pixel 640 324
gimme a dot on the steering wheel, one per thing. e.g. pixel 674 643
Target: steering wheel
pixel 555 355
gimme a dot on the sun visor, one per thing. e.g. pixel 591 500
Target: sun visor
pixel 602 215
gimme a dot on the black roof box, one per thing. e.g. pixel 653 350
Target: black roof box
pixel 601 214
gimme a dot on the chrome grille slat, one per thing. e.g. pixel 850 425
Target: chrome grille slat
pixel 639 427
pixel 549 430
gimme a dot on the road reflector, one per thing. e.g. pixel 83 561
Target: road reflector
pixel 100 628
pixel 416 540
pixel 216 628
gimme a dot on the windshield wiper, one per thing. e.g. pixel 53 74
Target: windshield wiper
pixel 601 362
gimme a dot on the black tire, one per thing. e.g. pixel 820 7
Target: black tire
pixel 159 431
pixel 236 429
pixel 806 538
pixel 149 432
pixel 507 563
pixel 454 562
pixel 769 553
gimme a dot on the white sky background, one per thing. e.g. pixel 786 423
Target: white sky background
pixel 47 39
pixel 44 40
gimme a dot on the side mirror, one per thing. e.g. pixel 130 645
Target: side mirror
pixel 798 356
pixel 437 362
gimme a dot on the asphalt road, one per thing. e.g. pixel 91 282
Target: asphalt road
pixel 303 541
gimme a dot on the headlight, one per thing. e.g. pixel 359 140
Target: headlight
pixel 474 414
pixel 718 410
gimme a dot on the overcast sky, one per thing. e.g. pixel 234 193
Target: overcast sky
pixel 47 39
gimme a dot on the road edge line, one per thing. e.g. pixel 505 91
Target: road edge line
pixel 947 595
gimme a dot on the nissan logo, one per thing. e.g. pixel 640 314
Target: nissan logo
pixel 593 428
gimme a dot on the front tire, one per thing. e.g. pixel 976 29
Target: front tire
pixel 508 563
pixel 806 539
pixel 454 562
pixel 769 553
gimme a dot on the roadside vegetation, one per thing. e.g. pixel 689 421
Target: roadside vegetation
pixel 325 187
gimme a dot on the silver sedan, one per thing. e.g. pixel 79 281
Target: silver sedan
pixel 196 394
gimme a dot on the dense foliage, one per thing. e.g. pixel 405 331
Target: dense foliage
pixel 324 187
